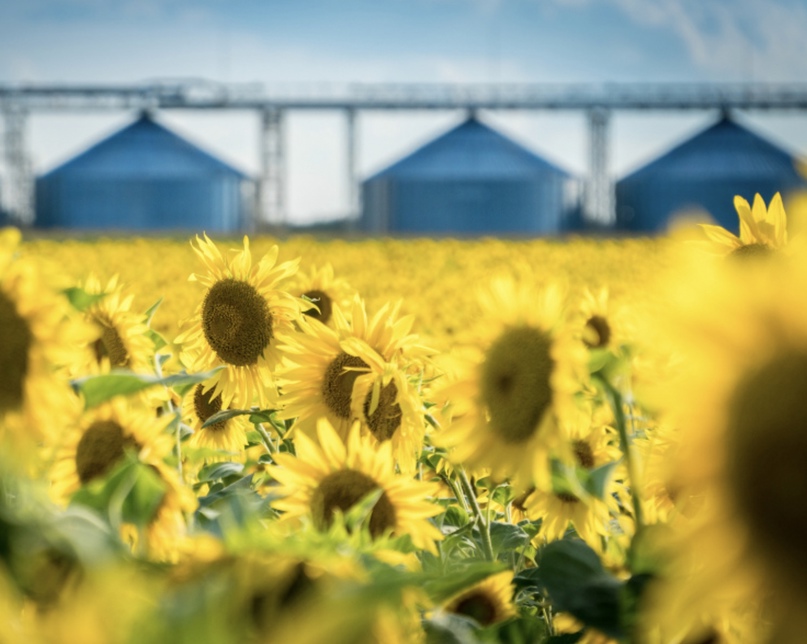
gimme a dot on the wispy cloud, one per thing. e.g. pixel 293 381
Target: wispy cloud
pixel 739 39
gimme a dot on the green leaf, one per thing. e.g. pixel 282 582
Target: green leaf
pixel 597 480
pixel 157 340
pixel 461 577
pixel 447 628
pixel 80 299
pixel 217 471
pixel 98 389
pixel 225 415
pixel 152 310
pixel 131 493
pixel 357 517
pixel 576 582
pixel 506 537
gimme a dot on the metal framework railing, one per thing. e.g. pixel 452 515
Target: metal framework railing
pixel 598 101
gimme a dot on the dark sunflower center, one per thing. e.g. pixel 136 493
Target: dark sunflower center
pixel 515 383
pixel 236 322
pixel 99 449
pixel 205 407
pixel 477 606
pixel 583 454
pixel 337 386
pixel 110 345
pixel 264 603
pixel 341 491
pixel 323 302
pixel 566 497
pixel 749 251
pixel 17 341
pixel 766 447
pixel 597 332
pixel 386 419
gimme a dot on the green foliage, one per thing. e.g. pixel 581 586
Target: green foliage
pixel 98 389
pixel 131 493
pixel 80 299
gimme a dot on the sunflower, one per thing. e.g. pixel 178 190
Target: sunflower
pixel 487 602
pixel 121 339
pixel 762 230
pixel 603 322
pixel 559 508
pixel 321 291
pixel 39 338
pixel 742 333
pixel 97 440
pixel 227 436
pixel 355 373
pixel 504 407
pixel 333 476
pixel 239 323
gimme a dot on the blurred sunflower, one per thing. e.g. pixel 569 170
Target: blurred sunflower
pixel 227 436
pixel 335 475
pixel 240 322
pixel 561 507
pixel 487 602
pixel 762 230
pixel 39 337
pixel 97 439
pixel 742 333
pixel 603 322
pixel 121 340
pixel 337 373
pixel 505 405
pixel 321 292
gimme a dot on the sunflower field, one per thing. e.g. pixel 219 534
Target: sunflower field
pixel 413 440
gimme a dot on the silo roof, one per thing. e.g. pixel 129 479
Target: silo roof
pixel 725 150
pixel 472 150
pixel 144 149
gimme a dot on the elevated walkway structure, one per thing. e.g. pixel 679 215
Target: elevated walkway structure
pixel 598 102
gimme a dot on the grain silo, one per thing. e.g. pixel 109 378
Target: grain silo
pixel 144 177
pixel 704 174
pixel 471 180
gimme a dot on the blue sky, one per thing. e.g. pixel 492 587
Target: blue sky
pixel 447 41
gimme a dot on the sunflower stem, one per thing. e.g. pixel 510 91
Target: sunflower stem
pixel 267 440
pixel 615 398
pixel 487 545
pixel 457 492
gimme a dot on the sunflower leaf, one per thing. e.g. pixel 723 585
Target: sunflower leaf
pixel 225 415
pixel 98 389
pixel 152 310
pixel 506 537
pixel 597 480
pixel 80 299
pixel 574 578
pixel 217 471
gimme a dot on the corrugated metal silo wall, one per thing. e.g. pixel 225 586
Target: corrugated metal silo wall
pixel 466 207
pixel 376 203
pixel 210 204
pixel 648 204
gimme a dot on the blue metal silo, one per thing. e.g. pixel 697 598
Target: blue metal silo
pixel 471 180
pixel 144 177
pixel 705 173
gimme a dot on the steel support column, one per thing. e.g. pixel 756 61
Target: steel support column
pixel 599 196
pixel 353 188
pixel 272 184
pixel 19 185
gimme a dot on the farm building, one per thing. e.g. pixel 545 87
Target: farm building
pixel 472 180
pixel 144 177
pixel 704 174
